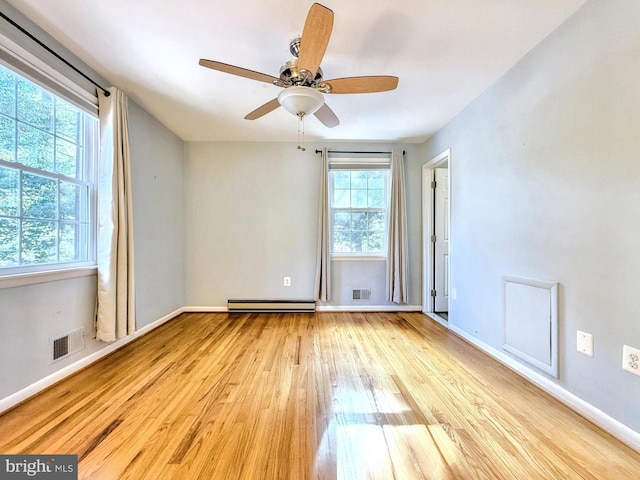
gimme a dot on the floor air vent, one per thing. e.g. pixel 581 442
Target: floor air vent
pixel 270 306
pixel 67 344
pixel 362 294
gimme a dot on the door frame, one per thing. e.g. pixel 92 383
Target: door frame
pixel 428 266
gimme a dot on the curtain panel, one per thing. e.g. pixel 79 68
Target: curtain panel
pixel 397 263
pixel 116 297
pixel 323 262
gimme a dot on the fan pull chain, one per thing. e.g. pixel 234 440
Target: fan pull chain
pixel 301 127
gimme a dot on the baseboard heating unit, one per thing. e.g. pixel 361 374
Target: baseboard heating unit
pixel 271 306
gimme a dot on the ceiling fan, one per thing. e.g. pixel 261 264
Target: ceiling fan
pixel 302 78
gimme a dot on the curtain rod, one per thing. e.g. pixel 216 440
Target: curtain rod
pixel 48 49
pixel 351 151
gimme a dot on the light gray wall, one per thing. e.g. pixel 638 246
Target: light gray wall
pixel 546 185
pixel 31 315
pixel 157 173
pixel 252 212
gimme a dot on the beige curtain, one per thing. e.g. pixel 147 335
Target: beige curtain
pixel 323 263
pixel 397 265
pixel 116 298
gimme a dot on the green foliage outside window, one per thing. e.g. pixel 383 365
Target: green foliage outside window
pixel 44 184
pixel 359 203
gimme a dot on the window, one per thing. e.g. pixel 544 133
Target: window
pixel 358 209
pixel 46 178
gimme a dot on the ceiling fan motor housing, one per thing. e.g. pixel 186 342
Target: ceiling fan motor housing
pixel 291 75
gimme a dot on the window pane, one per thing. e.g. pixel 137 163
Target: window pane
pixel 376 199
pixel 342 241
pixel 341 179
pixel 69 122
pixel 35 105
pixel 359 198
pixel 342 221
pixel 35 148
pixel 39 242
pixel 9 192
pixel 376 180
pixel 9 234
pixel 68 242
pixel 358 241
pixel 376 242
pixel 7 139
pixel 377 221
pixel 360 225
pixel 39 196
pixel 73 242
pixel 66 158
pixel 72 201
pixel 341 198
pixel 359 221
pixel 7 92
pixel 43 219
pixel 359 179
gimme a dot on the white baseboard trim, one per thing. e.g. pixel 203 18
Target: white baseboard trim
pixel 324 308
pixel 619 430
pixel 204 309
pixel 369 308
pixel 21 395
pixel 437 318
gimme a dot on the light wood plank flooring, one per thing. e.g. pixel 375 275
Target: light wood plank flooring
pixel 306 396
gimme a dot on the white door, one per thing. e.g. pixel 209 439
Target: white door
pixel 441 243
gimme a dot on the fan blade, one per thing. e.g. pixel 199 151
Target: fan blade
pixel 241 72
pixel 270 106
pixel 315 38
pixel 362 84
pixel 327 117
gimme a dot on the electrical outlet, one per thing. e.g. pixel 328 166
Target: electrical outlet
pixel 287 281
pixel 454 294
pixel 585 343
pixel 631 359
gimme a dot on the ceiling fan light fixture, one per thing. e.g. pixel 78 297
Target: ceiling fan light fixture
pixel 301 101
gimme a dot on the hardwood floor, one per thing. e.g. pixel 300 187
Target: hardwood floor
pixel 302 396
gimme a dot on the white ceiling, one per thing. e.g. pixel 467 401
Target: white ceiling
pixel 445 53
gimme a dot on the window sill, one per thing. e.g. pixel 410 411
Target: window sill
pixel 32 278
pixel 358 258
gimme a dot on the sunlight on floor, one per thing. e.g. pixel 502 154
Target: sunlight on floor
pixel 370 435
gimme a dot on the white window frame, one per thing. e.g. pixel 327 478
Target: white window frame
pixel 30 68
pixel 351 164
